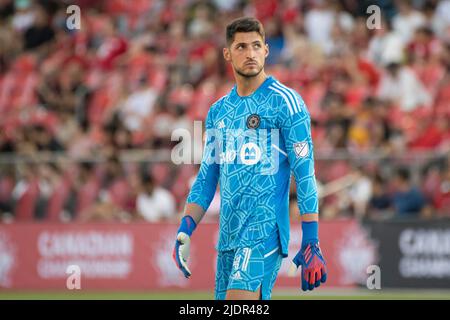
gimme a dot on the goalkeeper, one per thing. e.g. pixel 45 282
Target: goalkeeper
pixel 255 136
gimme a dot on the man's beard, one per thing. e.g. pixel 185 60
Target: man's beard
pixel 248 75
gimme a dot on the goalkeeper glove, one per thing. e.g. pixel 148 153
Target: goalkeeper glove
pixel 182 244
pixel 314 270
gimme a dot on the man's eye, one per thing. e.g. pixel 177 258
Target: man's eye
pixel 257 45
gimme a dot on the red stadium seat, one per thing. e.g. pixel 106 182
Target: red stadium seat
pixel 181 185
pixel 87 196
pixel 97 106
pixel 25 63
pixel 8 86
pixel 201 101
pixel 182 95
pixel 158 78
pixel 119 193
pixel 313 95
pixel 356 95
pixel 160 172
pixel 26 204
pixel 57 200
pixel 431 183
pixel 6 188
pixel 137 67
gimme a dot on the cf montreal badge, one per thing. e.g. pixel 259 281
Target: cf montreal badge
pixel 253 121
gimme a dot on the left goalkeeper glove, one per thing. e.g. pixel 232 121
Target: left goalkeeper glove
pixel 314 271
pixel 183 243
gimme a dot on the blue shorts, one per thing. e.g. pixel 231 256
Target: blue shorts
pixel 249 268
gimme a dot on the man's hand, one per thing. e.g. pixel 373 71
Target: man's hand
pixel 314 270
pixel 183 243
pixel 181 253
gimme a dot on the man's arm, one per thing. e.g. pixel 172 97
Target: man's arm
pixel 296 133
pixel 295 128
pixel 199 199
pixel 195 211
pixel 204 188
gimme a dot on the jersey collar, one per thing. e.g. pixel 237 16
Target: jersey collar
pixel 264 85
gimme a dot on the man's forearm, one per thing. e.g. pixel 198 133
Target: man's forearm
pixel 309 217
pixel 195 211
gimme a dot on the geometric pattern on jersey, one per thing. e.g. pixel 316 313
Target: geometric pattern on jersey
pixel 254 198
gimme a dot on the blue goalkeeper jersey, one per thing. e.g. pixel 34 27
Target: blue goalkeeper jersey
pixel 252 145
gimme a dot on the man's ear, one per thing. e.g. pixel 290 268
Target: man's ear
pixel 226 54
pixel 267 50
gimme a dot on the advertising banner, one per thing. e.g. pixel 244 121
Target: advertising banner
pixel 138 256
pixel 414 254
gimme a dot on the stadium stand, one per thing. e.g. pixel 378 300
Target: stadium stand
pixel 77 106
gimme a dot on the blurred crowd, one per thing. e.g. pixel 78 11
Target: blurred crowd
pixel 377 88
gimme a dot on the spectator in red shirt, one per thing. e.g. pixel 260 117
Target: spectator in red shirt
pixel 430 134
pixel 423 45
pixel 112 47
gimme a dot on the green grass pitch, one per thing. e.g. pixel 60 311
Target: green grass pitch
pixel 328 294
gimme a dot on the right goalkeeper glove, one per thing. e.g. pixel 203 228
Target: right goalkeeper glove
pixel 182 244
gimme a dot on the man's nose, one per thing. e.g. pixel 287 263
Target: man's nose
pixel 251 53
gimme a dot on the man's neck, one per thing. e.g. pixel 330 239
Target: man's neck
pixel 246 86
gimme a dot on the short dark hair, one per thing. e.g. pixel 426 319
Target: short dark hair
pixel 147 178
pixel 245 24
pixel 86 166
pixel 404 174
